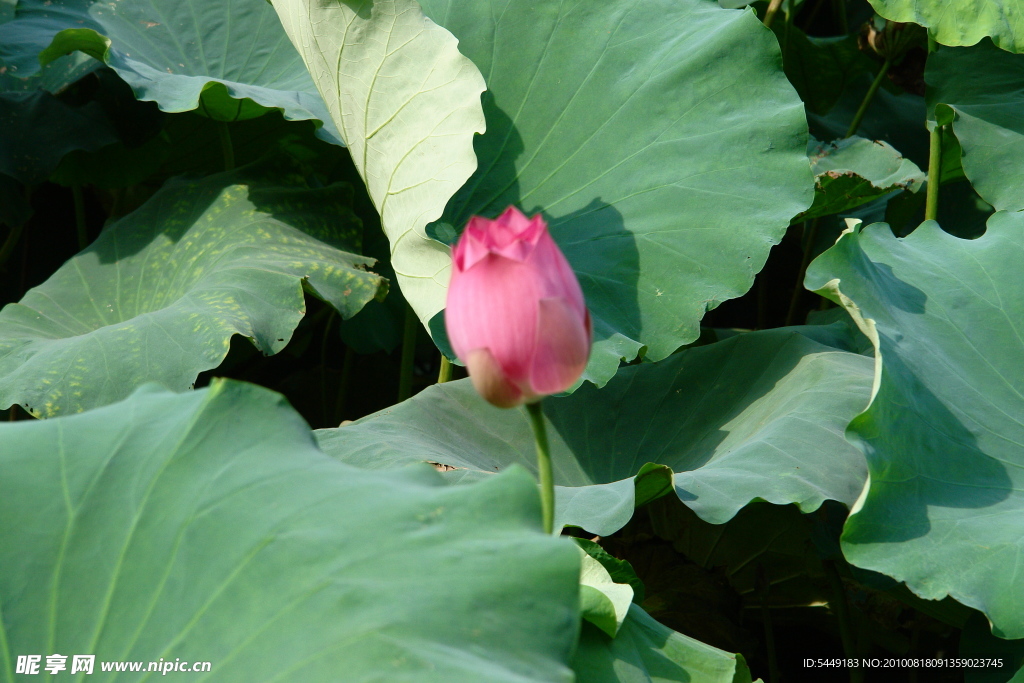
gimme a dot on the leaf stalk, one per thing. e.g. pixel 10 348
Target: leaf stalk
pixel 408 354
pixel 868 96
pixel 544 475
pixel 445 374
pixel 769 14
pixel 931 201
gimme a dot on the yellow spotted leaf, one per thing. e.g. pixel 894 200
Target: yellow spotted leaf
pixel 158 296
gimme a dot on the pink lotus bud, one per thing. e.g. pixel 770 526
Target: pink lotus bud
pixel 515 313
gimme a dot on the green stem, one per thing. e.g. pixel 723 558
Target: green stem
pixel 931 202
pixel 12 241
pixel 866 102
pixel 794 300
pixel 225 145
pixel 773 9
pixel 445 375
pixel 408 354
pixel 841 608
pixel 544 476
pixel 83 233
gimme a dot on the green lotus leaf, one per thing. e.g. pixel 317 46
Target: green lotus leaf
pixel 854 171
pixel 646 651
pixel 961 22
pixel 407 103
pixel 979 90
pixel 159 294
pixel 661 140
pixel 620 571
pixel 175 52
pixel 759 415
pixel 603 602
pixel 942 508
pixel 206 526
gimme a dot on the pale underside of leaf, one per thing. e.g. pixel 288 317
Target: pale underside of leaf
pixel 408 105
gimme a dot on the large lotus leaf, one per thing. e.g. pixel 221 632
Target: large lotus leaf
pixel 854 171
pixel 171 52
pixel 53 77
pixel 759 415
pixel 943 506
pixel 961 22
pixel 206 526
pixel 981 89
pixel 408 104
pixel 661 140
pixel 159 294
pixel 645 651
